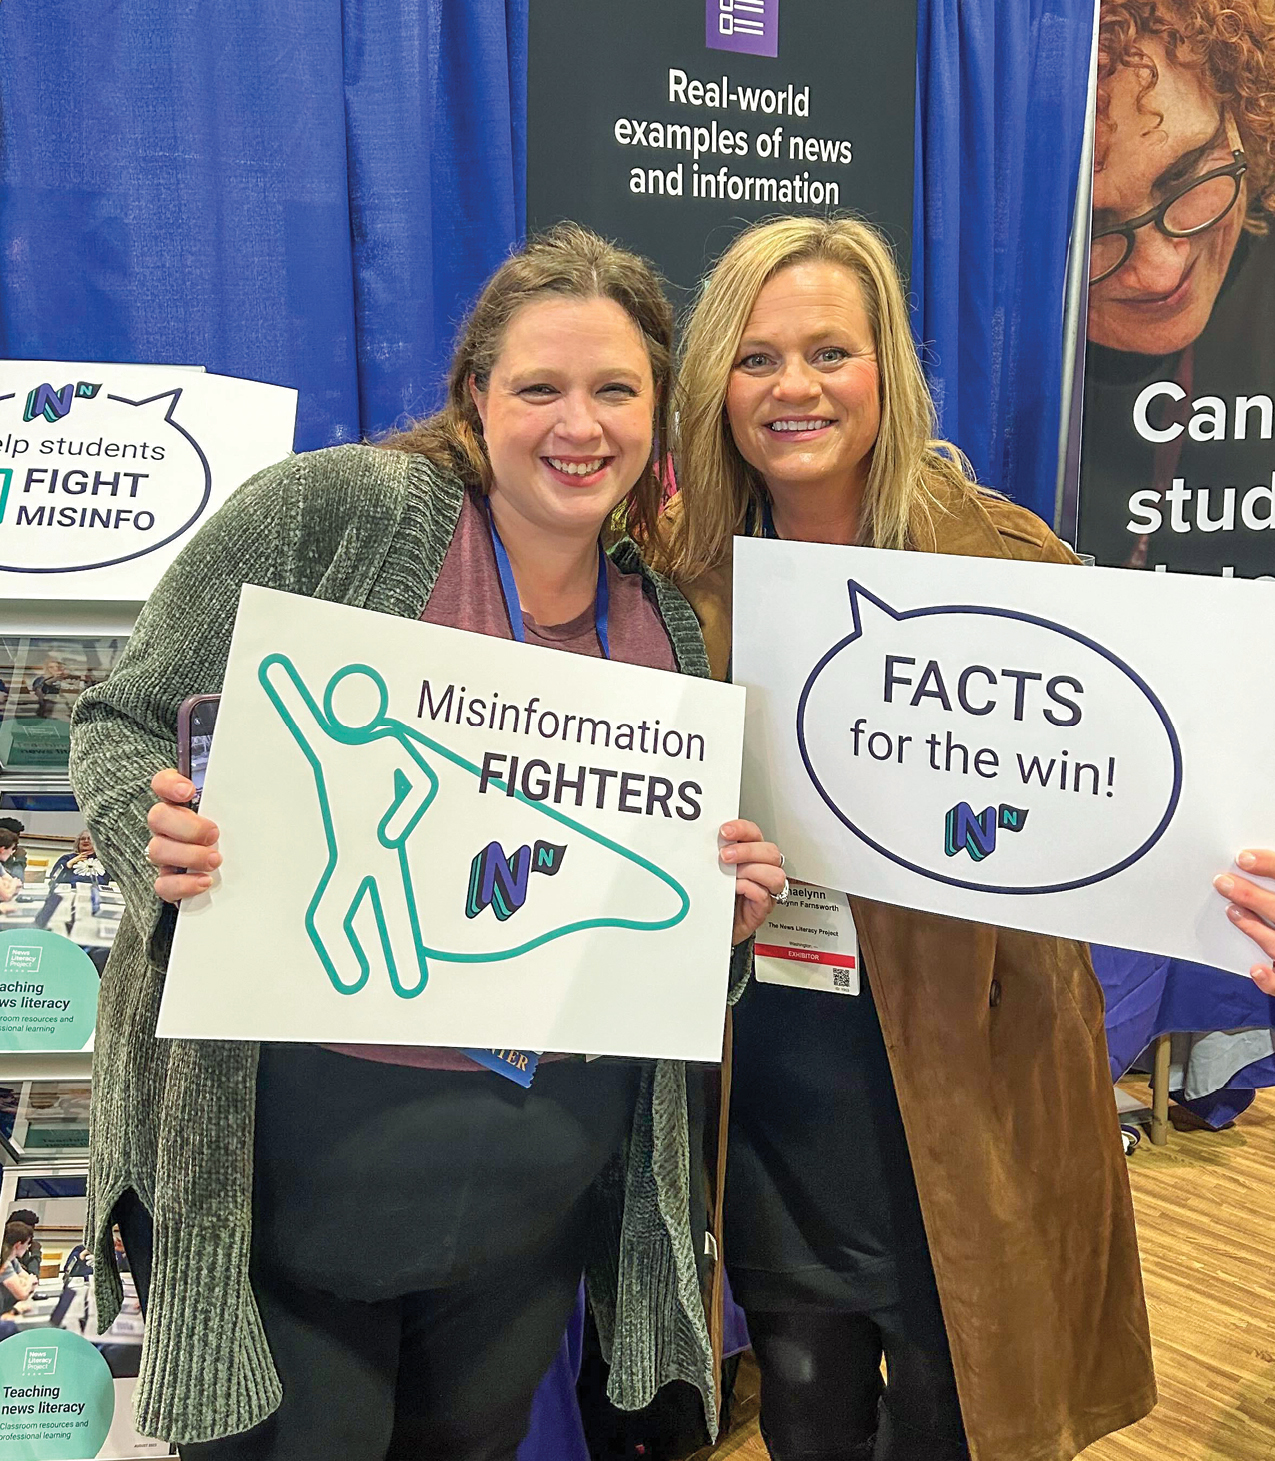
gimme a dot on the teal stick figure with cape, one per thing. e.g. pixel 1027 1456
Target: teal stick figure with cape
pixel 373 770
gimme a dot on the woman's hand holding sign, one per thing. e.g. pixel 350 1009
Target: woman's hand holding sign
pixel 1252 910
pixel 183 844
pixel 759 876
pixel 183 848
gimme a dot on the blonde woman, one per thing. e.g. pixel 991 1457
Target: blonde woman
pixel 930 1170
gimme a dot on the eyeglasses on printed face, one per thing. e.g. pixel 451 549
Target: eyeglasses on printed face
pixel 1190 210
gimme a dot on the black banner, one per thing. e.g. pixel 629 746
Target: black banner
pixel 671 124
pixel 1177 465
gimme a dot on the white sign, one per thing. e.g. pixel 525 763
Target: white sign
pixel 1070 752
pixel 106 470
pixel 809 942
pixel 432 837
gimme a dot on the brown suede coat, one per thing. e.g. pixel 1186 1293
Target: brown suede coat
pixel 999 1055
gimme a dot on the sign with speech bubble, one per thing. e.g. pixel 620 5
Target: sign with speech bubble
pixel 491 845
pixel 106 470
pixel 1076 752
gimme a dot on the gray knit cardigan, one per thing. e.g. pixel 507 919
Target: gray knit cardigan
pixel 173 1119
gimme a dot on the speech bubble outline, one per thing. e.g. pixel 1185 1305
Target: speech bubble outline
pixel 175 393
pixel 857 591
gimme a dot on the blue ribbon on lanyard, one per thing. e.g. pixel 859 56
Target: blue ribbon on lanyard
pixel 513 606
pixel 519 1066
pixel 767 520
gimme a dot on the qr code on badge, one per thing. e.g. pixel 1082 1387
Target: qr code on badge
pixel 841 979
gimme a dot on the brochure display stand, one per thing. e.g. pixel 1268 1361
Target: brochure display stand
pixel 69 1383
pixel 66 1385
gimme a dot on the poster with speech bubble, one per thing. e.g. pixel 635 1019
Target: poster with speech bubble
pixel 1068 751
pixel 433 837
pixel 106 470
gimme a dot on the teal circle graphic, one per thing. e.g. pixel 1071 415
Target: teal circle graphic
pixel 48 992
pixel 57 1397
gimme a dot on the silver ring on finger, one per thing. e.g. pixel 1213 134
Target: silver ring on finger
pixel 782 895
pixel 782 859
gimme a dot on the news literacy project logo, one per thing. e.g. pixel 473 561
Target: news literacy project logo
pixel 748 27
pixel 91 478
pixel 499 881
pixel 52 404
pixel 975 832
pixel 59 1395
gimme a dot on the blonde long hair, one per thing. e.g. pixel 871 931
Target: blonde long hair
pixel 718 489
pixel 566 261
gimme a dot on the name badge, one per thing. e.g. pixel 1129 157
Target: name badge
pixel 518 1066
pixel 809 942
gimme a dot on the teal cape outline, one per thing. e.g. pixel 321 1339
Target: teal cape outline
pixel 379 728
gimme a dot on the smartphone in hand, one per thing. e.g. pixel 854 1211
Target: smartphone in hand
pixel 196 720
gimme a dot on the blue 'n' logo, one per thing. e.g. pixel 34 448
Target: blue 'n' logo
pixel 53 405
pixel 975 832
pixel 501 882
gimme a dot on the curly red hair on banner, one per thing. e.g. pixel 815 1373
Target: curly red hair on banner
pixel 1231 46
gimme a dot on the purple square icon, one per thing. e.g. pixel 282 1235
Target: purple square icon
pixel 748 26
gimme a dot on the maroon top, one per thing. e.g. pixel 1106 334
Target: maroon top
pixel 467 595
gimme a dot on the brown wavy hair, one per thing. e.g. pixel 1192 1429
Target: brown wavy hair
pixel 1231 43
pixel 14 1233
pixel 571 262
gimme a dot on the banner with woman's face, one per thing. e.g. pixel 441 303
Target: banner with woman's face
pixel 1178 448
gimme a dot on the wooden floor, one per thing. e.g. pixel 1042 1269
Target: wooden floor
pixel 1206 1220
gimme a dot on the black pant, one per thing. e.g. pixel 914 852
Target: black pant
pixel 822 1395
pixel 446 1375
pixel 418 1241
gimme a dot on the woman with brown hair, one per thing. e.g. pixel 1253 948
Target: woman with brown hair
pixel 18 1237
pixel 930 1170
pixel 12 873
pixel 254 1163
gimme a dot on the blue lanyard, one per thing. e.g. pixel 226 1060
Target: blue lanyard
pixel 513 606
pixel 767 520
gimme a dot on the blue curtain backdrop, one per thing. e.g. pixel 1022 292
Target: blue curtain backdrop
pixel 310 192
pixel 301 191
pixel 1001 92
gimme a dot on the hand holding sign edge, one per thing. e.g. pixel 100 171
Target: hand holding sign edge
pixel 1252 910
